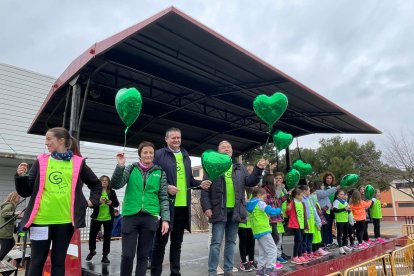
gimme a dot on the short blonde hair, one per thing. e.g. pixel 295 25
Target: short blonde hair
pixel 12 197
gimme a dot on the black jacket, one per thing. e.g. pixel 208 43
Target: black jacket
pixel 115 203
pixel 215 197
pixel 165 158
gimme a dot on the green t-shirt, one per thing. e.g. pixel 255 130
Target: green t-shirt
pixel 230 197
pixel 340 216
pixel 104 214
pixel 181 196
pixel 56 198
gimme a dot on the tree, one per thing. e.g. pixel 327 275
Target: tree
pixel 399 154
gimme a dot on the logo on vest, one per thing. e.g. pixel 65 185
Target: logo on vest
pixel 55 178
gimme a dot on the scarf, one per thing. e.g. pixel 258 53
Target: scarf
pixel 65 156
pixel 144 167
pixel 341 200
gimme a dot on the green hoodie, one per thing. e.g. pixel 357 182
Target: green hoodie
pixel 7 210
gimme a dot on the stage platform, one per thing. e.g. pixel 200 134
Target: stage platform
pixel 194 258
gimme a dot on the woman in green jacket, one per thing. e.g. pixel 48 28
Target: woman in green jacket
pixel 145 203
pixel 8 211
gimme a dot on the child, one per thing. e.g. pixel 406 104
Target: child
pixel 376 215
pixel 259 220
pixel 368 218
pixel 317 245
pixel 297 222
pixel 246 241
pixel 314 222
pixel 340 209
pixel 276 198
pixel 358 207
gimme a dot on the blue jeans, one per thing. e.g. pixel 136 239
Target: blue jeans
pixel 219 230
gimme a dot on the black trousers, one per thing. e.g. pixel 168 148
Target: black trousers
pixel 177 233
pixel 246 244
pixel 5 246
pixel 351 234
pixel 60 236
pixel 93 232
pixel 297 242
pixel 360 228
pixel 377 230
pixel 365 236
pixel 137 234
pixel 342 233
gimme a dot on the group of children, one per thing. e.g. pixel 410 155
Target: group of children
pixel 271 208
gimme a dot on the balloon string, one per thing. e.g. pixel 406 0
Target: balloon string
pixel 297 147
pixel 125 136
pixel 15 152
pixel 264 149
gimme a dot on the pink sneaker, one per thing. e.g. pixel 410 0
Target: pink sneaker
pixel 366 244
pixel 323 252
pixel 312 256
pixel 305 257
pixel 317 254
pixel 296 260
pixel 278 266
pixel 380 240
pixel 303 260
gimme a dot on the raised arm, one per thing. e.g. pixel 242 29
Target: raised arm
pixel 25 183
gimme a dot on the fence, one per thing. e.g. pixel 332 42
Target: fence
pixel 408 229
pixel 377 266
pixel 402 260
pixel 335 274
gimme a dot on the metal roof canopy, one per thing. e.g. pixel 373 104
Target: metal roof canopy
pixel 190 77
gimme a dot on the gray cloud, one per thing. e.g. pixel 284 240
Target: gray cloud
pixel 357 54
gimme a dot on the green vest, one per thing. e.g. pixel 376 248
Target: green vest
pixel 181 196
pixel 341 216
pixel 259 221
pixel 375 210
pixel 317 236
pixel 142 193
pixel 57 194
pixel 300 214
pixel 311 219
pixel 230 196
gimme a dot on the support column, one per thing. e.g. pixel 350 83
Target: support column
pixel 288 161
pixel 75 108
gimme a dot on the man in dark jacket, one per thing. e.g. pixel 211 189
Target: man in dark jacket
pixel 224 204
pixel 176 163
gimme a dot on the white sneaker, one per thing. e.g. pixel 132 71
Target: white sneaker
pixel 347 249
pixel 235 269
pixel 342 251
pixel 220 271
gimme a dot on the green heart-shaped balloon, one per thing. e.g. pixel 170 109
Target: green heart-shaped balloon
pixel 303 168
pixel 215 163
pixel 369 192
pixel 128 103
pixel 270 109
pixel 349 180
pixel 292 178
pixel 282 139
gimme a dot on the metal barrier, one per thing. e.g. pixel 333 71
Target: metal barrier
pixel 338 273
pixel 377 266
pixel 402 260
pixel 408 229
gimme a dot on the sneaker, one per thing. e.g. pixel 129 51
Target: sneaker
pixel 323 252
pixel 365 244
pixel 149 264
pixel 90 256
pixel 305 257
pixel 234 269
pixel 303 260
pixel 286 257
pixel 347 249
pixel 220 271
pixel 281 260
pixel 260 272
pixel 278 266
pixel 246 266
pixel 334 245
pixel 342 250
pixel 380 240
pixel 296 260
pixel 105 259
pixel 253 264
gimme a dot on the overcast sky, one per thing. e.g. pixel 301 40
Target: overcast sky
pixel 359 54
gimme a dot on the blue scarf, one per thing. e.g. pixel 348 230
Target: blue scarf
pixel 65 156
pixel 341 200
